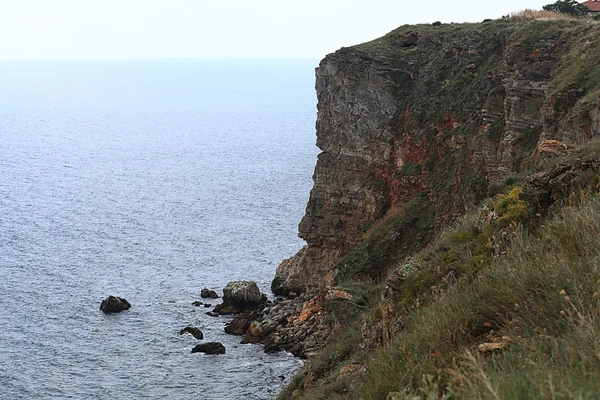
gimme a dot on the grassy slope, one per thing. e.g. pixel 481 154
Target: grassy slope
pixel 536 290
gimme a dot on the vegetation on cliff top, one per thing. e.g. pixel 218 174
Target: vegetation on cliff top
pixel 577 79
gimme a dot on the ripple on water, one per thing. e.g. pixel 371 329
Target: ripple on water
pixel 114 181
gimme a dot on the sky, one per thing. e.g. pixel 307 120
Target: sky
pixel 218 29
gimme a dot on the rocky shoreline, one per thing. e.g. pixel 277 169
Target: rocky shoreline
pixel 299 324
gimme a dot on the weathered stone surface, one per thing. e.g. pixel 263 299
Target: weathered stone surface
pixel 242 294
pixel 542 190
pixel 209 348
pixel 208 294
pixel 195 332
pixel 292 325
pixel 225 309
pixel 255 333
pixel 345 311
pixel 114 304
pixel 238 325
pixel 393 124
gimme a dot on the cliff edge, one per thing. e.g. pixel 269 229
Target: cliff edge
pixel 424 120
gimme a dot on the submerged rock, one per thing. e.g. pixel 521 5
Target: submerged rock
pixel 208 294
pixel 209 348
pixel 242 294
pixel 114 304
pixel 195 332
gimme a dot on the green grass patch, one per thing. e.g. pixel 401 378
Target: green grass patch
pixel 551 333
pixel 364 293
pixel 401 232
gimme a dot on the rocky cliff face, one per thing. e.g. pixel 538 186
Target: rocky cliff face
pixel 436 113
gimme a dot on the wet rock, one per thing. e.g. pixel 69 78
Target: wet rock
pixel 238 325
pixel 224 309
pixel 207 306
pixel 242 294
pixel 254 333
pixel 195 332
pixel 256 329
pixel 208 294
pixel 209 348
pixel 198 303
pixel 114 304
pixel 270 326
pixel 211 314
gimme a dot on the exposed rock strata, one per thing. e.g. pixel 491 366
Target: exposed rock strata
pixel 425 112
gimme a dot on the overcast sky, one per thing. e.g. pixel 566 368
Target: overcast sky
pixel 223 28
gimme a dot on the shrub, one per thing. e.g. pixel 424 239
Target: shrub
pixel 509 208
pixel 570 7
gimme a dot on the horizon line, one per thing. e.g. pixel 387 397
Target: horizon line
pixel 133 58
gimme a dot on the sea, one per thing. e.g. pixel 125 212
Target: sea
pixel 149 180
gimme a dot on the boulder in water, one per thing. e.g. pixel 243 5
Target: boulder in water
pixel 242 294
pixel 209 348
pixel 195 332
pixel 208 294
pixel 114 304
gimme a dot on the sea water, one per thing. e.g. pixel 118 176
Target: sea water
pixel 146 179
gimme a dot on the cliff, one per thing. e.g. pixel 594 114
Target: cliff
pixel 424 121
pixel 452 231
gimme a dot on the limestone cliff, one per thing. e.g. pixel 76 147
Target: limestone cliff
pixel 436 114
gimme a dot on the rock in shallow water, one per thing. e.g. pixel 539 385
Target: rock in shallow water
pixel 114 304
pixel 195 332
pixel 208 294
pixel 223 309
pixel 209 348
pixel 242 294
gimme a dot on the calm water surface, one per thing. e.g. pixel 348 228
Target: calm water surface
pixel 148 180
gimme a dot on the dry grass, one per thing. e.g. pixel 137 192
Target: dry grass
pixel 530 15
